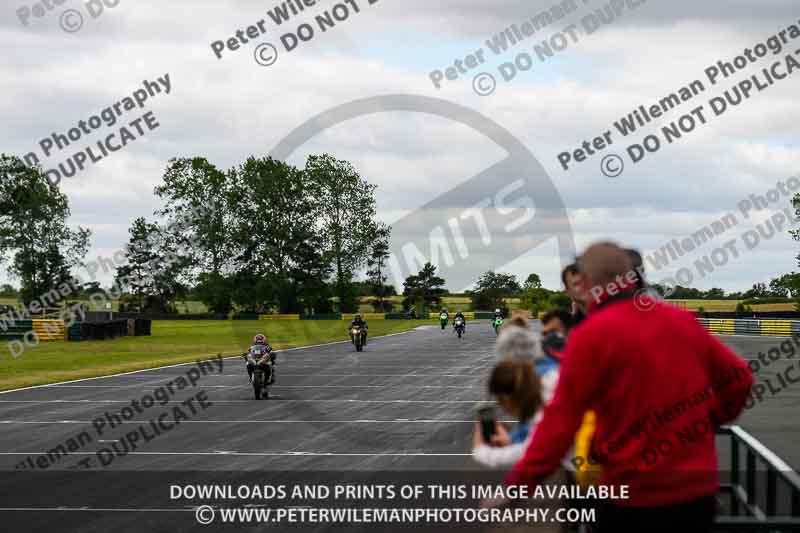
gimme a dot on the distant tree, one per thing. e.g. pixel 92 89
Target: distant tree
pixel 199 217
pixel 532 282
pixel 376 273
pixel 715 294
pixel 8 291
pixel 281 249
pixel 424 290
pixel 491 289
pixel 34 233
pixel 345 205
pixel 787 285
pixel 759 290
pixel 154 269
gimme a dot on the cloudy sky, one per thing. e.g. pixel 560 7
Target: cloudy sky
pixel 228 109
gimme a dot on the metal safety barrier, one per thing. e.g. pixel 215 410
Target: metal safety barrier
pixel 756 327
pixel 763 492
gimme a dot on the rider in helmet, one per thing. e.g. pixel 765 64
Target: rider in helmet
pixel 358 321
pixel 256 353
pixel 460 315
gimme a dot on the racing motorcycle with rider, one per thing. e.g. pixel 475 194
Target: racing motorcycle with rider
pixel 260 360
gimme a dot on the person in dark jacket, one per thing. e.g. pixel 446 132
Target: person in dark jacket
pixel 649 373
pixel 572 279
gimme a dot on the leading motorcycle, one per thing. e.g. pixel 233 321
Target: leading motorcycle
pixel 263 371
pixel 357 333
pixel 459 326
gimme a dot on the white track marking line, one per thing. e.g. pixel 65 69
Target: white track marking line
pixel 284 400
pixel 479 382
pixel 273 454
pixel 210 358
pixel 358 421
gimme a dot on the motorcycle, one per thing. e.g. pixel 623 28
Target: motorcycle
pixel 357 334
pixel 497 323
pixel 459 326
pixel 263 372
pixel 443 319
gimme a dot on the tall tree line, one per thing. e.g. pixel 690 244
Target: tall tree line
pixel 262 236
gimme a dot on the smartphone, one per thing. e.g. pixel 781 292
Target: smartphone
pixel 486 416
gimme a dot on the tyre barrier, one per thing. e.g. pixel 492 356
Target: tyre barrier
pixel 762 328
pixel 469 315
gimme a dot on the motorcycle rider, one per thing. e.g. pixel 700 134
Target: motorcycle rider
pixel 255 355
pixel 444 316
pixel 460 315
pixel 360 322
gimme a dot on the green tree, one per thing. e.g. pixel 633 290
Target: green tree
pixel 533 282
pixel 277 236
pixel 787 285
pixel 154 269
pixel 197 198
pixel 424 290
pixel 492 288
pixel 34 232
pixel 345 204
pixel 376 273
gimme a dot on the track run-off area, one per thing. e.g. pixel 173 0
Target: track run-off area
pixel 402 408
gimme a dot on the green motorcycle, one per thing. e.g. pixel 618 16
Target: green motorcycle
pixel 443 318
pixel 497 323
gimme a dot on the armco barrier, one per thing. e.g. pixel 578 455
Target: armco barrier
pixel 764 328
pixel 279 317
pixel 365 316
pixel 469 315
pixel 322 316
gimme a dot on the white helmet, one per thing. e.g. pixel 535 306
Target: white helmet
pixel 497 311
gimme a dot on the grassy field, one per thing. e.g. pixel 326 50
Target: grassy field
pixel 729 305
pixel 171 342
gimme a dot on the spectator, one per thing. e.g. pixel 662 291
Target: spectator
pixel 615 364
pixel 573 282
pixel 555 326
pixel 516 387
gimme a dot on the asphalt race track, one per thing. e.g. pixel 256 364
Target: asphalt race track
pixel 400 409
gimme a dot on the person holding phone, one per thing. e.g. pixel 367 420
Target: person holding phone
pixel 516 388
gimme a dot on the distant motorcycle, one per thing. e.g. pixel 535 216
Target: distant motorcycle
pixel 443 318
pixel 357 333
pixel 263 371
pixel 459 326
pixel 497 323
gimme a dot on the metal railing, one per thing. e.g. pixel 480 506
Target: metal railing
pixel 763 492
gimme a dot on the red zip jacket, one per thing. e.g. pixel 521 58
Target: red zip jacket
pixel 659 384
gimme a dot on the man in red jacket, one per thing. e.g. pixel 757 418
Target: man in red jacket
pixel 659 384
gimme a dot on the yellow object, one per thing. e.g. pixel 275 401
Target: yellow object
pixel 724 327
pixel 587 473
pixel 279 317
pixel 366 316
pixel 50 330
pixel 776 328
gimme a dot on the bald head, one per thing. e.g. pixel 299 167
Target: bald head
pixel 605 264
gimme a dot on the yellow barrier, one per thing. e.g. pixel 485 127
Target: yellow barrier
pixel 279 317
pixel 50 330
pixel 722 326
pixel 776 328
pixel 366 316
pixel 469 315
